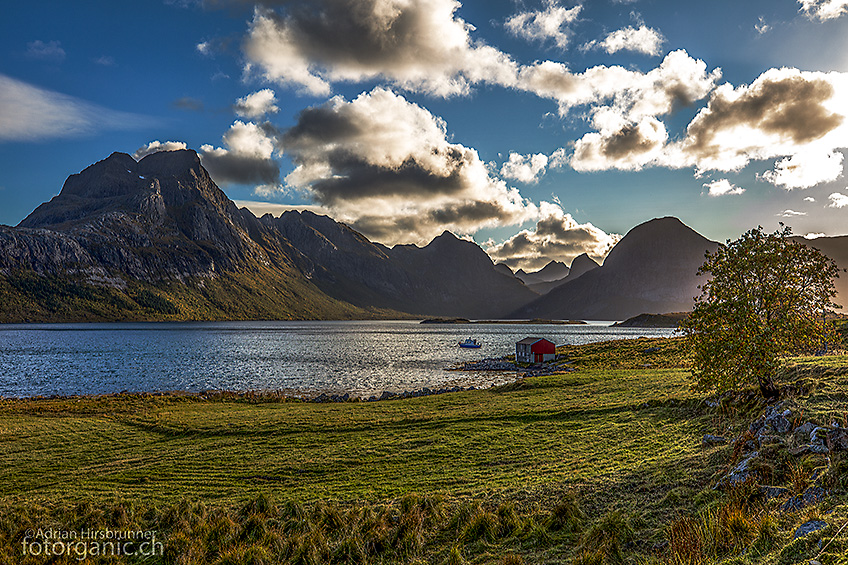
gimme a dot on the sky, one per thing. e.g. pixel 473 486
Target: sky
pixel 541 129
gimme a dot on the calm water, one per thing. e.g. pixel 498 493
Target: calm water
pixel 358 357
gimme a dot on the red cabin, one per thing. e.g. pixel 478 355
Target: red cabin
pixel 534 350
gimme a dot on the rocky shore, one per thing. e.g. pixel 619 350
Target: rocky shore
pixel 503 364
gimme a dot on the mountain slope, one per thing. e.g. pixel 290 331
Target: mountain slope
pixel 837 249
pixel 155 239
pixel 449 276
pixel 652 269
pixel 553 271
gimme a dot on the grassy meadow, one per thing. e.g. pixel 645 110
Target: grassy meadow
pixel 604 464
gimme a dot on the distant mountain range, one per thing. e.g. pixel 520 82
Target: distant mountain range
pixel 157 239
pixel 651 270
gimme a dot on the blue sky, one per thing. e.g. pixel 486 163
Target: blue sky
pixel 541 129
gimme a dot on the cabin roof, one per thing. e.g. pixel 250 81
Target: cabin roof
pixel 529 340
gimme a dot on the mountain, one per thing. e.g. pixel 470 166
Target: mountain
pixel 162 217
pixel 581 264
pixel 837 249
pixel 154 239
pixel 448 277
pixel 553 271
pixel 504 269
pixel 158 239
pixel 651 270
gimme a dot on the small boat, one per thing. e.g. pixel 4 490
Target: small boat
pixel 469 343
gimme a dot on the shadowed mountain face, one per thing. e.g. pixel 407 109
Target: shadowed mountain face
pixel 157 238
pixel 553 271
pixel 837 249
pixel 581 264
pixel 448 277
pixel 652 269
pixel 163 219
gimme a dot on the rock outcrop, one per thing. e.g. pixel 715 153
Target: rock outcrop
pixel 157 219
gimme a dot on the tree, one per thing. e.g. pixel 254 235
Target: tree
pixel 767 296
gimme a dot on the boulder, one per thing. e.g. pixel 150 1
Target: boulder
pixel 809 527
pixel 710 439
pixel 810 496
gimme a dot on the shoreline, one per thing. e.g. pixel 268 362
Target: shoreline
pixel 483 375
pixel 317 396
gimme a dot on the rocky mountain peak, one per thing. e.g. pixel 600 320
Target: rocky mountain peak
pixel 581 264
pixel 113 176
pixel 553 271
pixel 182 162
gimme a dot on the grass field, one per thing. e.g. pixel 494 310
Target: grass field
pixel 599 465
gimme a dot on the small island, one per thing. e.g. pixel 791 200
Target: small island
pixel 537 321
pixel 669 320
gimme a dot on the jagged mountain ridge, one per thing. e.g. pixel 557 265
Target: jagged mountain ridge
pixel 157 238
pixel 449 276
pixel 553 271
pixel 162 219
pixel 581 264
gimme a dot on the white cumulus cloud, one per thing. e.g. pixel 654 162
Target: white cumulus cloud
pixel 723 187
pixel 247 156
pixel 524 168
pixel 642 39
pixel 386 166
pixel 550 23
pixel 798 116
pixel 824 9
pixel 156 146
pixel 257 104
pixel 805 169
pixel 414 44
pixel 838 200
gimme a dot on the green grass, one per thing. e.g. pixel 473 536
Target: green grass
pixel 558 429
pixel 600 465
